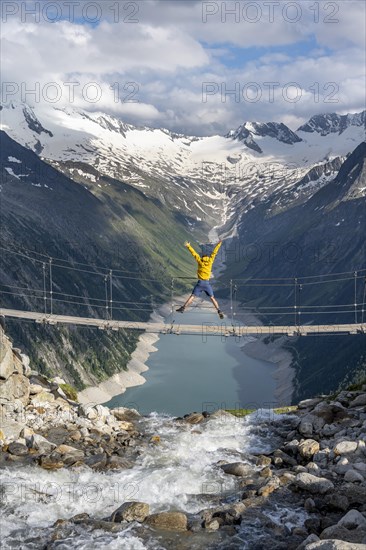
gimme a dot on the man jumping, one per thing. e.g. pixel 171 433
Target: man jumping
pixel 204 273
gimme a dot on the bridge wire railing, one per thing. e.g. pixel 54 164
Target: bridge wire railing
pixel 51 296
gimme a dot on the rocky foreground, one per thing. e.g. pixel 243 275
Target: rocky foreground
pixel 319 465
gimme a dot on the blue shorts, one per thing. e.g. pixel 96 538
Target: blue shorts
pixel 202 286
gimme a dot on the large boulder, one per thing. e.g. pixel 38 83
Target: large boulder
pixel 333 544
pixel 360 401
pixel 122 413
pixel 9 363
pixel 313 484
pixel 15 387
pixel 352 520
pixel 10 429
pixel 353 477
pixel 40 444
pixel 236 469
pixel 170 521
pixel 330 412
pixel 340 532
pixel 131 511
pixel 308 448
pixel 345 447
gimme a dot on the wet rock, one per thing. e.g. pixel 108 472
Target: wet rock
pixel 313 484
pixel 131 511
pixel 236 469
pixel 285 458
pixel 194 418
pixel 263 460
pixel 271 486
pixel 97 462
pixel 80 518
pixel 266 472
pixel 212 524
pixel 122 413
pixel 48 463
pixel 116 462
pixel 103 525
pixel 18 449
pixel 125 425
pixel 249 494
pixel 220 414
pixel 170 521
pixel 69 455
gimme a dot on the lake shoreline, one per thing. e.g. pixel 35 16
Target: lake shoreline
pixel 121 381
pixel 272 352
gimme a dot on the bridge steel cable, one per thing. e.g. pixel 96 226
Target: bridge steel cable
pixel 51 294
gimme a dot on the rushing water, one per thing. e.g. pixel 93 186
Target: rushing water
pixel 198 372
pixel 181 473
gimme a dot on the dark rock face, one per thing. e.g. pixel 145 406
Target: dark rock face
pixel 34 123
pixel 333 123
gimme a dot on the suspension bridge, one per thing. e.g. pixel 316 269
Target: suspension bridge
pixel 46 302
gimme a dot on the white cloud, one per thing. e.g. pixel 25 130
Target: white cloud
pixel 164 59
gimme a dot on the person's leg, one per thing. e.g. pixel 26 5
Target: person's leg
pixel 210 293
pixel 195 292
pixel 189 301
pixel 214 301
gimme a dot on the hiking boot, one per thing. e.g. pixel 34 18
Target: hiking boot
pixel 181 309
pixel 221 315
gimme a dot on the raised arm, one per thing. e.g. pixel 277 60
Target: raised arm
pixel 215 250
pixel 196 256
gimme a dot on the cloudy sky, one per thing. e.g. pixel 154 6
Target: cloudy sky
pixel 193 66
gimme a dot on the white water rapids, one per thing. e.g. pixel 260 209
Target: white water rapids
pixel 179 473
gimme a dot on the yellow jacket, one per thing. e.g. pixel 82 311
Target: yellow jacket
pixel 204 266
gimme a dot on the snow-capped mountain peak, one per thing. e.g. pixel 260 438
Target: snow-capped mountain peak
pixel 198 176
pixel 333 123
